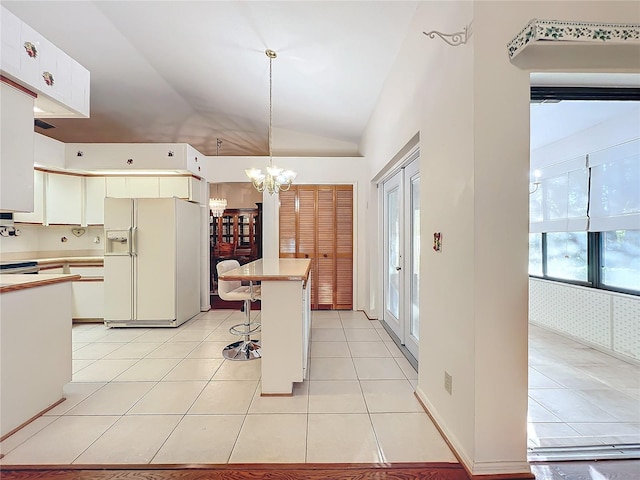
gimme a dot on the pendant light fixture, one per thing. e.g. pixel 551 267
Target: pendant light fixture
pixel 217 205
pixel 275 179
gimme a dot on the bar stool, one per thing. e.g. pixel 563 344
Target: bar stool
pixel 245 349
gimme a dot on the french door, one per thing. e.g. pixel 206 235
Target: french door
pixel 401 259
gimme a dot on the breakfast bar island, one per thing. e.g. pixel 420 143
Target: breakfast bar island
pixel 285 318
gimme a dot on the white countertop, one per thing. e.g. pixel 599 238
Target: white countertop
pixel 13 282
pixel 53 256
pixel 279 269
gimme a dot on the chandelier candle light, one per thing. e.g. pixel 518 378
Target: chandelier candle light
pixel 275 179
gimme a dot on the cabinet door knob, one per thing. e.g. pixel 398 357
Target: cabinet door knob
pixel 325 255
pixel 306 255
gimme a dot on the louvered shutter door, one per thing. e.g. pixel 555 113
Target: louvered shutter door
pixel 316 222
pixel 306 216
pixel 325 279
pixel 344 247
pixel 288 223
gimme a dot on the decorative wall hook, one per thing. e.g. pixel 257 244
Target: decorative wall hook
pixel 453 39
pixel 536 185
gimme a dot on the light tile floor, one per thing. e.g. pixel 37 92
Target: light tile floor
pixel 579 396
pixel 168 396
pixel 144 395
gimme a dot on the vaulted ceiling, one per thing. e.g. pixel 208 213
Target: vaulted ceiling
pixel 196 71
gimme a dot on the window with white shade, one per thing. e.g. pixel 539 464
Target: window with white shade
pixel 615 188
pixel 584 212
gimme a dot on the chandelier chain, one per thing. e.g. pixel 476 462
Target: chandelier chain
pixel 270 107
pixel 275 179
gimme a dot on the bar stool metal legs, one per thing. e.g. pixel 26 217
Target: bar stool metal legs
pixel 245 349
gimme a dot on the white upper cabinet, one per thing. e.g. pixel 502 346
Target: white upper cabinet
pixel 94 191
pixel 30 60
pixel 184 187
pixel 123 157
pixel 64 199
pixel 16 150
pixel 37 216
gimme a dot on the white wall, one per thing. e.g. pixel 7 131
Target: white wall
pixel 310 170
pixel 289 142
pixel 471 109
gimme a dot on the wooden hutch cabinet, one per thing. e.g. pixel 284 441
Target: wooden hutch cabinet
pixel 236 235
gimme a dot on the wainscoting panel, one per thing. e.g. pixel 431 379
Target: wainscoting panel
pixel 626 331
pixel 596 317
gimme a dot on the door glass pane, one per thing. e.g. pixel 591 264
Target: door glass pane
pixel 415 257
pixel 393 242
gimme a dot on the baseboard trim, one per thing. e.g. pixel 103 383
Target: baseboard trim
pixel 492 470
pixel 35 417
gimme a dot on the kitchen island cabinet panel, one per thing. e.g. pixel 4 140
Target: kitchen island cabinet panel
pixel 88 300
pixel 35 345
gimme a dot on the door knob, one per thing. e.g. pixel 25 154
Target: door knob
pixel 398 268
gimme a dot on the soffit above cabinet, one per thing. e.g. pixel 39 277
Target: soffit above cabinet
pixel 575 45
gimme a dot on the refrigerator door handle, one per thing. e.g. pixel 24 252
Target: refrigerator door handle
pixel 133 244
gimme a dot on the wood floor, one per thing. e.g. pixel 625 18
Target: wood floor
pixel 411 471
pixel 600 470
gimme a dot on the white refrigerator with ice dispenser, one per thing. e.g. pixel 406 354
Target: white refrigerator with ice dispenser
pixel 151 262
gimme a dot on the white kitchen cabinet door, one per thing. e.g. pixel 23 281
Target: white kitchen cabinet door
pixel 88 299
pixel 80 89
pixel 195 190
pixel 37 216
pixel 30 56
pixel 11 48
pixel 95 191
pixel 132 187
pixel 116 187
pixel 143 187
pixel 64 199
pixel 174 187
pixel 62 85
pixel 48 80
pixel 38 65
pixel 16 150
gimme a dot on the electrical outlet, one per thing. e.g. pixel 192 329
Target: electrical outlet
pixel 448 382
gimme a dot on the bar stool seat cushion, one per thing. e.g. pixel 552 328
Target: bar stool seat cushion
pixel 242 293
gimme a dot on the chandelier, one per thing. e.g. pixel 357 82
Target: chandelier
pixel 217 205
pixel 275 179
